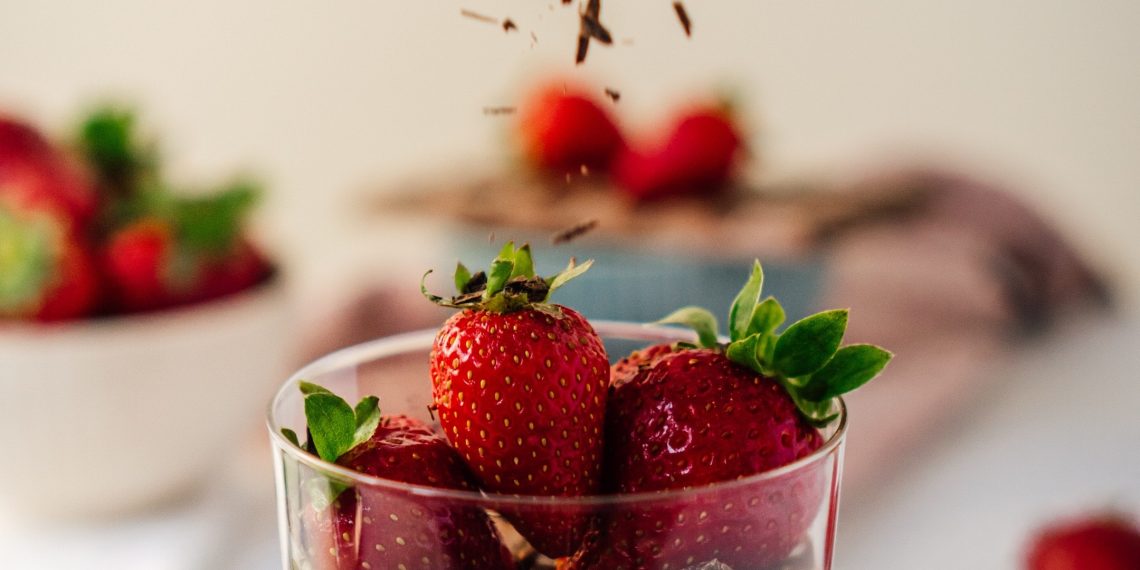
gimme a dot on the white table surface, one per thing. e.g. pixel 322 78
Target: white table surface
pixel 1058 436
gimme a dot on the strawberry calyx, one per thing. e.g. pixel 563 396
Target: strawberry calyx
pixel 28 251
pixel 509 285
pixel 805 358
pixel 334 427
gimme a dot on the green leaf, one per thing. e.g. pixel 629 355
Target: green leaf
pixel 462 277
pixel 572 271
pixel 310 388
pixel 741 312
pixel 746 351
pixel 698 319
pixel 765 352
pixel 332 424
pixel 809 343
pixel 851 367
pixel 766 317
pixel 501 270
pixel 818 413
pixel 367 414
pixel 524 262
pixel 213 224
pixel 291 436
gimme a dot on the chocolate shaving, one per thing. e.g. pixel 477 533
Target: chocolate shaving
pixel 509 25
pixel 478 16
pixel 498 110
pixel 591 28
pixel 583 47
pixel 613 94
pixel 573 232
pixel 683 16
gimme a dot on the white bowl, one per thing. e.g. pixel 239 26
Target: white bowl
pixel 111 415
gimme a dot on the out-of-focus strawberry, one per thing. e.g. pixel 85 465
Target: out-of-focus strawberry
pixel 46 274
pixel 699 156
pixel 1098 543
pixel 182 252
pixel 563 129
pixel 34 176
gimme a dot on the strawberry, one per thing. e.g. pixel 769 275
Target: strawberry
pixel 689 417
pixel 34 176
pixel 375 527
pixel 520 387
pixel 1098 543
pixel 563 130
pixel 699 156
pixel 46 273
pixel 183 251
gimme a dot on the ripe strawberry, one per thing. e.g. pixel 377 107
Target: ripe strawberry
pixel 46 273
pixel 692 417
pixel 1100 543
pixel 563 130
pixel 185 252
pixel 373 527
pixel 34 176
pixel 520 386
pixel 698 157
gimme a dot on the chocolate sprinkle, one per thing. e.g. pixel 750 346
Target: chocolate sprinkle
pixel 498 110
pixel 591 28
pixel 583 47
pixel 509 25
pixel 613 94
pixel 683 16
pixel 478 16
pixel 573 232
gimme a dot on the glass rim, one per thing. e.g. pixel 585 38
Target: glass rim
pixel 404 342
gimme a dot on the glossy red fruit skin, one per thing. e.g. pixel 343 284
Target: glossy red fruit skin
pixel 372 527
pixel 75 290
pixel 693 419
pixel 562 131
pixel 1090 544
pixel 522 397
pixel 134 261
pixel 698 158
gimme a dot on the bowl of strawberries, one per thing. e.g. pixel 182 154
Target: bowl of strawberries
pixel 131 316
pixel 521 435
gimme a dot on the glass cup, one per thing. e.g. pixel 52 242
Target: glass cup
pixel 333 518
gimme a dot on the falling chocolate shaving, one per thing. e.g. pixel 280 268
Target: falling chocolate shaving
pixel 592 27
pixel 478 16
pixel 683 16
pixel 431 411
pixel 583 47
pixel 613 94
pixel 573 232
pixel 498 110
pixel 509 25
pixel 533 38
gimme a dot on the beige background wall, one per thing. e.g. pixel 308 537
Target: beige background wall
pixel 333 97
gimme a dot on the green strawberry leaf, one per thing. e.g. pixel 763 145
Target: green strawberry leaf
pixel 501 270
pixel 27 261
pixel 809 343
pixel 700 320
pixel 851 367
pixel 462 277
pixel 572 271
pixel 367 415
pixel 291 436
pixel 765 352
pixel 109 140
pixel 766 317
pixel 310 388
pixel 818 413
pixel 524 262
pixel 213 224
pixel 740 315
pixel 746 351
pixel 332 424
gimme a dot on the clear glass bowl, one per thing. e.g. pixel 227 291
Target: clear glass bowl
pixel 781 519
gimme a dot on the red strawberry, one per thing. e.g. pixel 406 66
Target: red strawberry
pixel 374 527
pixel 136 260
pixel 46 274
pixel 36 177
pixel 1101 543
pixel 698 157
pixel 693 417
pixel 563 130
pixel 520 386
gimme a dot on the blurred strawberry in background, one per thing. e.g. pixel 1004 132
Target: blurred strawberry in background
pixel 698 156
pixel 94 229
pixel 1107 542
pixel 563 130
